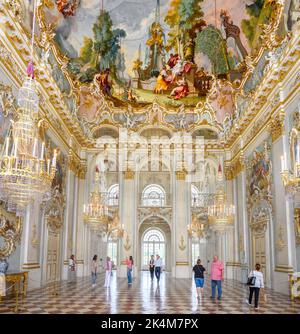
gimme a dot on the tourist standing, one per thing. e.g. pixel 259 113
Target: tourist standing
pixel 72 268
pixel 129 264
pixel 158 265
pixel 3 269
pixel 108 272
pixel 151 267
pixel 199 278
pixel 94 270
pixel 257 284
pixel 217 276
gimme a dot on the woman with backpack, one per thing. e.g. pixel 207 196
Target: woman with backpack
pixel 255 282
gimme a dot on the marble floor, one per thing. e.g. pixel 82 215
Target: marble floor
pixel 170 296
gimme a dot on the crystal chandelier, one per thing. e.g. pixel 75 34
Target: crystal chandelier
pixel 221 213
pixel 96 212
pixel 196 229
pixel 25 174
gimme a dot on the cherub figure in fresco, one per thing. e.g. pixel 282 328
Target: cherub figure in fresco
pixel 67 7
pixel 163 81
pixel 181 91
pixel 130 96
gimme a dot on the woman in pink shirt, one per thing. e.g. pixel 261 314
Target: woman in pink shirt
pixel 129 264
pixel 108 270
pixel 216 276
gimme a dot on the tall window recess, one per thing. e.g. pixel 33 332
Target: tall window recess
pixel 154 195
pixel 153 243
pixel 113 195
pixel 112 249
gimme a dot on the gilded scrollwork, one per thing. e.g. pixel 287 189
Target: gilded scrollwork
pixel 7 100
pixel 54 210
pixel 148 212
pixel 259 187
pixel 276 126
pixel 297 225
pixel 10 231
pixel 77 166
pixel 234 167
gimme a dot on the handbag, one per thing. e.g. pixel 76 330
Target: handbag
pixel 251 280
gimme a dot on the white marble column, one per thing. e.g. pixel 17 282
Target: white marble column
pixel 283 225
pixel 30 252
pixel 127 218
pixel 78 227
pixel 68 222
pixel 181 219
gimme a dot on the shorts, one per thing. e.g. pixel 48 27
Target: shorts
pixel 199 282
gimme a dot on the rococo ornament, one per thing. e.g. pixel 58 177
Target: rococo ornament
pixel 10 231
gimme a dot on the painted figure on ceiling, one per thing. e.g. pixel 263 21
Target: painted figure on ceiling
pixel 181 91
pixel 67 7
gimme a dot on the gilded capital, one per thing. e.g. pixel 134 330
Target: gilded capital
pixel 180 175
pixel 276 126
pixel 235 166
pixel 129 175
pixel 77 166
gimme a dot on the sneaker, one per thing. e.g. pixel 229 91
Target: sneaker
pixel 247 302
pixel 256 308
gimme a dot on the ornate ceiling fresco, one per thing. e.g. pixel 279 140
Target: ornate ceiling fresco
pixel 181 64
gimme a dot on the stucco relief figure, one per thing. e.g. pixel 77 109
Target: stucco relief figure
pixel 222 101
pixel 293 14
pixel 272 60
pixel 129 119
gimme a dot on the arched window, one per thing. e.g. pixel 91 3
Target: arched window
pixel 195 195
pixel 113 195
pixel 154 195
pixel 153 243
pixel 112 250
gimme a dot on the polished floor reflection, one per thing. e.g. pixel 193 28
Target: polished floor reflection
pixel 170 296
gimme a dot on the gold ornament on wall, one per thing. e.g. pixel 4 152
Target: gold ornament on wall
pixel 127 245
pixel 280 244
pixel 241 243
pixel 35 238
pixel 297 225
pixel 10 231
pixel 182 244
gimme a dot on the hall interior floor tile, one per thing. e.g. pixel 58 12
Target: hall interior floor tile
pixel 169 296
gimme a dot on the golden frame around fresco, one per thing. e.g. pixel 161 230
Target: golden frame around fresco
pixel 270 40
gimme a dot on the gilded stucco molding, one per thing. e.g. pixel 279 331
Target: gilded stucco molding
pixel 10 231
pixel 180 175
pixel 77 166
pixel 276 126
pixel 129 175
pixel 235 166
pixel 297 225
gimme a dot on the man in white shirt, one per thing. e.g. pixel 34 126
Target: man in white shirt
pixel 158 265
